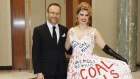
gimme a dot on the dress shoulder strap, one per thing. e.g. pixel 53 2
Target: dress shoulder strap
pixel 94 29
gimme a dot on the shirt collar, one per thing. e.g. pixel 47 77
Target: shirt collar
pixel 50 25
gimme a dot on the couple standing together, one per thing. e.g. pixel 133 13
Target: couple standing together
pixel 51 40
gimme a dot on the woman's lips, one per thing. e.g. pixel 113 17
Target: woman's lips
pixel 83 20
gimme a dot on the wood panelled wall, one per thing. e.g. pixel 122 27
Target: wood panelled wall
pixel 69 13
pixel 88 1
pixel 18 34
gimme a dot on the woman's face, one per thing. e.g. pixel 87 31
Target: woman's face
pixel 83 17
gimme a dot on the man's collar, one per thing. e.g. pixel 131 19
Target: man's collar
pixel 50 25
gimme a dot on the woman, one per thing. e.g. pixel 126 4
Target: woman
pixel 83 63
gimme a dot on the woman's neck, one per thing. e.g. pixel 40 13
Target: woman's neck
pixel 83 26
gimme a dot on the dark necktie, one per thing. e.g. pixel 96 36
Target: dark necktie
pixel 54 36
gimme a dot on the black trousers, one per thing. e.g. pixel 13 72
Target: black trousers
pixel 56 77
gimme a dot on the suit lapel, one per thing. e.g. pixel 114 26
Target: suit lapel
pixel 60 32
pixel 48 34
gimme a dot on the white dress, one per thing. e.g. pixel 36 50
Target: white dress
pixel 84 64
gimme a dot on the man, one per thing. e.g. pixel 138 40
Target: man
pixel 48 49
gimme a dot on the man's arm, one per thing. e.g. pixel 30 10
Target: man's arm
pixel 36 52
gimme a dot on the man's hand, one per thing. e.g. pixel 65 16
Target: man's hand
pixel 40 76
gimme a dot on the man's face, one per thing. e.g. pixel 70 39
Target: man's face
pixel 53 14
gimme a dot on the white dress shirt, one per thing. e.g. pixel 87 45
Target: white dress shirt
pixel 50 26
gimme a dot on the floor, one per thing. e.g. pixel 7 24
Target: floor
pixel 13 74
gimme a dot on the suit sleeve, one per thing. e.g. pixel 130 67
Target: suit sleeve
pixel 69 51
pixel 36 52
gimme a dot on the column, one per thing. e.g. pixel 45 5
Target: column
pixel 127 31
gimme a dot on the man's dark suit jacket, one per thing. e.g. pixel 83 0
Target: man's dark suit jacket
pixel 47 57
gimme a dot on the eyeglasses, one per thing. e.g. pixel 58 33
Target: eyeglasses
pixel 54 13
